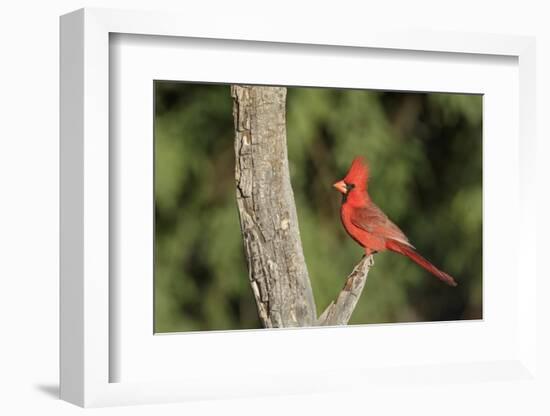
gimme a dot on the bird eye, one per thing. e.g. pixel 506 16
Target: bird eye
pixel 349 186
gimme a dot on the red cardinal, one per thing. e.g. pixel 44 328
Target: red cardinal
pixel 369 226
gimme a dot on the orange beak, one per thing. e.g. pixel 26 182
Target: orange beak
pixel 341 187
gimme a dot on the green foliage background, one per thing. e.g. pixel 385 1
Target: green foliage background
pixel 425 154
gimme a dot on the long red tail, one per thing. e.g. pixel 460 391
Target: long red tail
pixel 421 261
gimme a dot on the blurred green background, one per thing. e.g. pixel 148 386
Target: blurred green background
pixel 425 155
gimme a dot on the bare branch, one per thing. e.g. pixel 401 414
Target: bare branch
pixel 339 312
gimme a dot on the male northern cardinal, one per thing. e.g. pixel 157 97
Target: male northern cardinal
pixel 369 226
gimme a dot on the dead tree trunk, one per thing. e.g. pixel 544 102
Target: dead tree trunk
pixel 269 223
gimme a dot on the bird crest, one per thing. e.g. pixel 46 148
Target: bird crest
pixel 358 173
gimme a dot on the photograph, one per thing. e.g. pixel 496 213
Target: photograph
pixel 291 206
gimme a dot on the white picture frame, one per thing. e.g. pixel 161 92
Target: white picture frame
pixel 87 309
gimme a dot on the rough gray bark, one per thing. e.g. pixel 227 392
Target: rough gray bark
pixel 269 223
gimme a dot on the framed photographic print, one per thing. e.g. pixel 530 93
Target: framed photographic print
pixel 263 213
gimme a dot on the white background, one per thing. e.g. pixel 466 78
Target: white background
pixel 29 207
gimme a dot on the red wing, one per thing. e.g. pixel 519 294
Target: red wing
pixel 374 221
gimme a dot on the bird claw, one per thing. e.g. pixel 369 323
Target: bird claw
pixel 370 259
